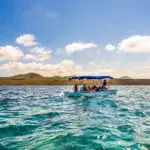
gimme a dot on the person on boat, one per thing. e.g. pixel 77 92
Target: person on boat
pixel 97 89
pixel 75 88
pixel 84 88
pixel 90 88
pixel 94 87
pixel 104 85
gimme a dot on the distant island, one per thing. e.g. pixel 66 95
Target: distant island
pixel 125 77
pixel 36 79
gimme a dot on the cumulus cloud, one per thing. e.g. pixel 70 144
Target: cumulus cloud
pixel 59 51
pixel 64 68
pixel 135 43
pixel 30 57
pixel 117 62
pixel 10 53
pixel 147 66
pixel 92 63
pixel 39 54
pixel 98 64
pixel 117 73
pixel 110 47
pixel 74 47
pixel 26 40
pixel 104 71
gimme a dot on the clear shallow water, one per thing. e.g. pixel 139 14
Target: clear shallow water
pixel 41 118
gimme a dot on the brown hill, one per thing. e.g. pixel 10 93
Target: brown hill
pixel 26 76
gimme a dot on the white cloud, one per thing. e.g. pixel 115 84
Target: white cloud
pixel 59 51
pixel 148 67
pixel 117 62
pixel 39 54
pixel 98 64
pixel 10 53
pixel 67 68
pixel 110 47
pixel 104 71
pixel 71 48
pixel 116 73
pixel 67 62
pixel 26 40
pixel 92 63
pixel 135 43
pixel 30 57
pixel 64 68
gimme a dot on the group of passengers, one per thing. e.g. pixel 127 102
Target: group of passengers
pixel 93 88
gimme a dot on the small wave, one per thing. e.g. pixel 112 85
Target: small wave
pixel 44 114
pixel 3 147
pixel 139 113
pixel 45 119
pixel 125 128
pixel 16 130
pixel 124 109
pixel 6 101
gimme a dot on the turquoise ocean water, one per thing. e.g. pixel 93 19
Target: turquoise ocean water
pixel 41 118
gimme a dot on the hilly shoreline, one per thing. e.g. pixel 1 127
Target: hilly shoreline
pixel 36 79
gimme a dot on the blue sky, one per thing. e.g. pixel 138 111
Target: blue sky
pixel 103 37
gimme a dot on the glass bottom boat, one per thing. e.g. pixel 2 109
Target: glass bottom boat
pixel 101 92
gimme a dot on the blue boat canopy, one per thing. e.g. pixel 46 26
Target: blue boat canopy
pixel 90 77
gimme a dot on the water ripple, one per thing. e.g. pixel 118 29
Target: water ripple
pixel 41 118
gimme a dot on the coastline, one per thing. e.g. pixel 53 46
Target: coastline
pixel 36 79
pixel 64 82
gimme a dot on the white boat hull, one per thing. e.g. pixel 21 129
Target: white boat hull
pixel 90 94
